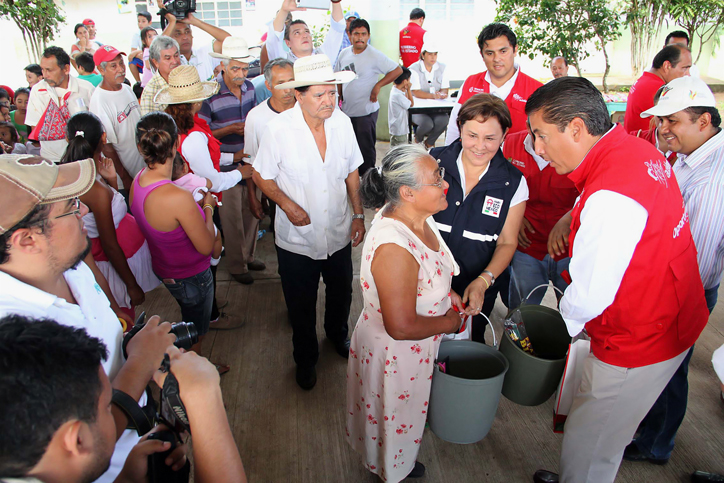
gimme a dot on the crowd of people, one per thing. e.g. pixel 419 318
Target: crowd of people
pixel 111 189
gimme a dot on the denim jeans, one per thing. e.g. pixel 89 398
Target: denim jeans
pixel 659 427
pixel 528 272
pixel 195 296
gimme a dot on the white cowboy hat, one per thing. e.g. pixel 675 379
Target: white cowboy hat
pixel 184 86
pixel 316 70
pixel 236 48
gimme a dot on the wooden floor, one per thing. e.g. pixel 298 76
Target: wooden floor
pixel 285 434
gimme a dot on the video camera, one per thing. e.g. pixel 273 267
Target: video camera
pixel 178 8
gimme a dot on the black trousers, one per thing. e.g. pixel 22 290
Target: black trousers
pixel 365 130
pixel 300 282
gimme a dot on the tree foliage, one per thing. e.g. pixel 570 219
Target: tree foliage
pixel 561 27
pixel 38 20
pixel 700 18
pixel 644 18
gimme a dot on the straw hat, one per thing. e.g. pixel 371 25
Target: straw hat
pixel 235 48
pixel 184 86
pixel 316 70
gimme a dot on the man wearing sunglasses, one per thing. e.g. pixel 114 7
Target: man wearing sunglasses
pixel 42 275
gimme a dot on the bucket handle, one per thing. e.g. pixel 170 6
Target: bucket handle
pixel 539 286
pixel 492 329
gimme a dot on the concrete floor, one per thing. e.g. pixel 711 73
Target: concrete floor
pixel 285 434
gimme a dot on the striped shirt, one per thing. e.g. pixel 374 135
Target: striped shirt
pixel 701 179
pixel 224 108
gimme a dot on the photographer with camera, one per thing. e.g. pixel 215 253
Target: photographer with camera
pixel 71 396
pixel 178 14
pixel 42 245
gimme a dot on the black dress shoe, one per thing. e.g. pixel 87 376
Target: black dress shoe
pixel 342 348
pixel 633 453
pixel 306 377
pixel 704 477
pixel 256 265
pixel 543 476
pixel 244 278
pixel 418 471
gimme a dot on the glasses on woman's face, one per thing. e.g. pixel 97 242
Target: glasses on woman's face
pixel 440 180
pixel 74 212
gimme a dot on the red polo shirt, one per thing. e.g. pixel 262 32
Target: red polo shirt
pixel 411 43
pixel 640 99
pixel 522 89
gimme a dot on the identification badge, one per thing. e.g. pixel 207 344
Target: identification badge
pixel 492 206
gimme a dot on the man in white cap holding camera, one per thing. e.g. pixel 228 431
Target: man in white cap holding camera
pixel 226 112
pixel 307 163
pixel 690 124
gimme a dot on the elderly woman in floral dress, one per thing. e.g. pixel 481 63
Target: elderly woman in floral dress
pixel 408 304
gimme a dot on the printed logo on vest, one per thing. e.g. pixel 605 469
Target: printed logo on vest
pixel 476 90
pixel 515 162
pixel 659 171
pixel 519 98
pixel 492 206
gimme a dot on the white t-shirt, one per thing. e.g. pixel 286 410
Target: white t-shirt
pixel 136 43
pixel 119 112
pixel 368 66
pixel 289 155
pixel 92 313
pixel 204 63
pixel 397 113
pixel 256 122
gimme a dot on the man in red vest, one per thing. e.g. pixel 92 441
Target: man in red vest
pixel 635 280
pixel 503 78
pixel 411 38
pixel 550 197
pixel 672 62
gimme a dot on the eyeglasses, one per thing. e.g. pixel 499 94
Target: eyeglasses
pixel 74 212
pixel 441 179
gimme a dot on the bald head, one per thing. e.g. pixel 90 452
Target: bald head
pixel 559 67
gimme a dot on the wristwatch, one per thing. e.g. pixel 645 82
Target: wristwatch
pixel 358 216
pixel 492 277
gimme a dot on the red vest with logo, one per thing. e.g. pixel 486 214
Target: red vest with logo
pixel 522 89
pixel 659 309
pixel 214 145
pixel 411 43
pixel 551 195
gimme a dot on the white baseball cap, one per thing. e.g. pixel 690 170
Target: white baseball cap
pixel 680 94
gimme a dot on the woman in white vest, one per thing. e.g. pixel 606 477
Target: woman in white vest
pixel 429 81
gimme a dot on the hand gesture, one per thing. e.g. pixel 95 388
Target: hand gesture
pixel 474 296
pixel 523 240
pixel 358 232
pixel 456 320
pixel 138 296
pixel 240 156
pixel 150 343
pixel 255 207
pixel 210 199
pixel 375 93
pixel 196 376
pixel 106 169
pixel 246 170
pixel 297 215
pixel 558 237
pixel 291 6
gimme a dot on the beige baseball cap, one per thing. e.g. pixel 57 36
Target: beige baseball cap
pixel 28 181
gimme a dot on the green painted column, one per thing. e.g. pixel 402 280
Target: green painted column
pixel 383 17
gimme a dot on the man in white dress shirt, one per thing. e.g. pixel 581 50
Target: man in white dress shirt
pixel 307 164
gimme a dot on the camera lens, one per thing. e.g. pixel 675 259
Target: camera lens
pixel 186 334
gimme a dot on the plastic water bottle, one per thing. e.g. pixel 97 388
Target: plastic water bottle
pixel 260 234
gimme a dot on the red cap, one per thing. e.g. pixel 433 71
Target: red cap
pixel 106 53
pixel 88 21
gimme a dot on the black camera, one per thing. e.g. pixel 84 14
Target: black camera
pixel 179 8
pixel 185 332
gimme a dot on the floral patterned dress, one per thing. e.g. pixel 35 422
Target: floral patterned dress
pixel 388 381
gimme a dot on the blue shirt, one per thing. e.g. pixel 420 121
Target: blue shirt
pixel 224 109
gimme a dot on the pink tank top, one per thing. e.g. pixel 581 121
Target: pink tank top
pixel 172 253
